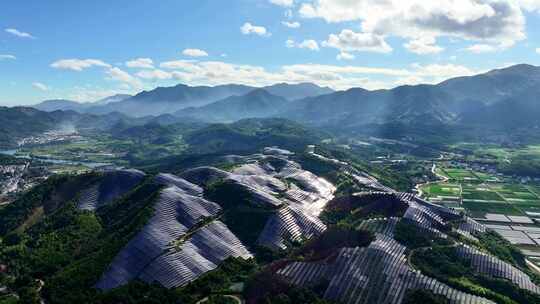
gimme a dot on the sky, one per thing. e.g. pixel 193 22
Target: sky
pixel 88 50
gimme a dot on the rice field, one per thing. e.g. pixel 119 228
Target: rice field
pixel 478 194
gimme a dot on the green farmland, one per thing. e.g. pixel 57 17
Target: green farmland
pixel 478 194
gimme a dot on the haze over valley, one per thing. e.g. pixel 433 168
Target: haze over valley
pixel 270 152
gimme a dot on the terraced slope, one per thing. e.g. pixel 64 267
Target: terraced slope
pixel 383 273
pixel 272 181
pixel 179 243
pixel 378 273
pixel 113 185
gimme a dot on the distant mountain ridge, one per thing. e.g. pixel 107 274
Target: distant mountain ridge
pixel 509 94
pixel 168 100
pixel 70 105
pixel 256 104
pixel 449 103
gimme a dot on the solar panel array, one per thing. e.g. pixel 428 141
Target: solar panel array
pixel 111 186
pixel 496 268
pixel 172 180
pixel 425 219
pixel 202 252
pixel 289 224
pixel 175 213
pixel 384 226
pixel 297 203
pixel 378 273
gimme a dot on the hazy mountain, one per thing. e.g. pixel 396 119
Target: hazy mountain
pixel 454 101
pixel 111 99
pixel 170 99
pixel 297 91
pixel 493 86
pixel 70 105
pixel 60 104
pixel 256 104
pixel 19 122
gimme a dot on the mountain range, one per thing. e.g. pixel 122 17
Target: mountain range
pixel 167 100
pixel 498 99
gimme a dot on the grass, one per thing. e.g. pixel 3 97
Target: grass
pixel 477 209
pixel 442 189
pixel 481 195
pixel 459 174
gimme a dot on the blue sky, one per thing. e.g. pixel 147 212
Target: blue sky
pixel 86 50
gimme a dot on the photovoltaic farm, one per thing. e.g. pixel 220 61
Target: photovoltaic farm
pixel 375 245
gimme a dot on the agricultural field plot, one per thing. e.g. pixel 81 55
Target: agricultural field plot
pixel 442 190
pixel 460 174
pixel 515 192
pixel 484 177
pixel 534 189
pixel 480 193
pixel 476 209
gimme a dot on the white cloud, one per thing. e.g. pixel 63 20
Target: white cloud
pixel 538 50
pixel 194 53
pixel 345 56
pixel 530 5
pixel 141 63
pixel 500 22
pixel 284 3
pixel 306 44
pixel 481 48
pixel 291 24
pixel 423 46
pixel 249 28
pixel 78 64
pixel 350 41
pixel 7 57
pixel 117 74
pixel 16 32
pixel 337 77
pixel 154 75
pixel 40 86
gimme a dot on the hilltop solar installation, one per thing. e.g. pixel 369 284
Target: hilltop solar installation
pixel 176 213
pixel 185 238
pixel 202 252
pixel 494 267
pixel 378 273
pixel 111 186
pixel 289 224
pixel 297 204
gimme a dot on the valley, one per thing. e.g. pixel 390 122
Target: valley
pixel 237 198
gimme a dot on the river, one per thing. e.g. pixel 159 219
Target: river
pixel 91 165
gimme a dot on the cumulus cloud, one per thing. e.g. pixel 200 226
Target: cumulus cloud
pixel 530 5
pixel 194 53
pixel 349 41
pixel 7 57
pixel 345 56
pixel 291 24
pixel 498 22
pixel 78 64
pixel 154 75
pixel 284 3
pixel 423 46
pixel 337 77
pixel 306 44
pixel 16 32
pixel 40 86
pixel 538 50
pixel 248 29
pixel 481 48
pixel 117 74
pixel 141 63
